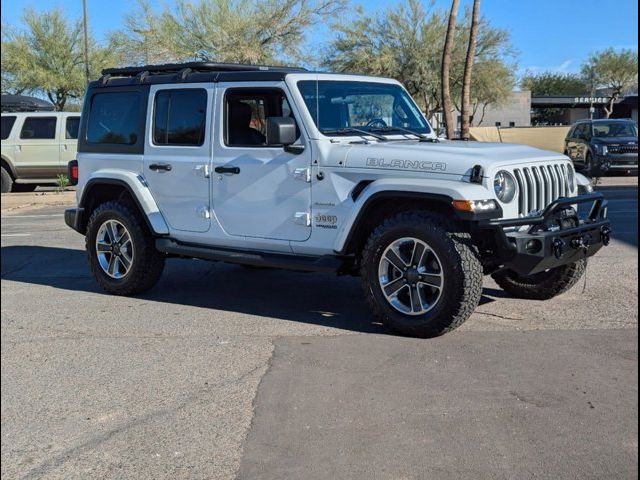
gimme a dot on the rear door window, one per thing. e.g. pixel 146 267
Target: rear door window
pixel 114 118
pixel 71 128
pixel 180 117
pixel 7 125
pixel 39 128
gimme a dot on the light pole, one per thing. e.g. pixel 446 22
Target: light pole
pixel 86 40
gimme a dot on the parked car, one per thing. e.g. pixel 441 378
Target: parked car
pixel 276 167
pixel 600 146
pixel 36 147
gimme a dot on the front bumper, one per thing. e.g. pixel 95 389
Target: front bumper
pixel 73 218
pixel 537 248
pixel 615 162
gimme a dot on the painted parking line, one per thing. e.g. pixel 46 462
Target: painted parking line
pixel 15 235
pixel 51 215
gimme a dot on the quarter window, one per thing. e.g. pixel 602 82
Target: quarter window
pixel 71 128
pixel 39 128
pixel 7 125
pixel 180 117
pixel 114 118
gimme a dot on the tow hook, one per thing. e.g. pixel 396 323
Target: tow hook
pixel 606 235
pixel 580 243
pixel 558 247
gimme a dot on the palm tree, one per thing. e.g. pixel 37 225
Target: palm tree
pixel 468 69
pixel 446 67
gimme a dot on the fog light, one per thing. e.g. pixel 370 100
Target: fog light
pixel 533 246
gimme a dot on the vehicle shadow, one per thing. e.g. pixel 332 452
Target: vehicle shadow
pixel 314 298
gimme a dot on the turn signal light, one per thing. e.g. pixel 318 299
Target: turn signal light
pixel 475 206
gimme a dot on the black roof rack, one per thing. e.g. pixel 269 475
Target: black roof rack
pixel 189 67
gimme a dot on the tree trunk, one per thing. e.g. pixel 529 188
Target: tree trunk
pixel 468 70
pixel 609 109
pixel 446 67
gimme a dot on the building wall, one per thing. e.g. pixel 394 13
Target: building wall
pixel 516 110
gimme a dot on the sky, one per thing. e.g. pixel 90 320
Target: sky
pixel 549 35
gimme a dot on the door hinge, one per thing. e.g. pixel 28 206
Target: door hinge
pixel 302 174
pixel 303 218
pixel 203 212
pixel 203 170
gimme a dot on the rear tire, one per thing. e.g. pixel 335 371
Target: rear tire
pixel 543 285
pixel 121 250
pixel 7 181
pixel 445 252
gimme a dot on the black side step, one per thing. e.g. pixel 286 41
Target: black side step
pixel 303 263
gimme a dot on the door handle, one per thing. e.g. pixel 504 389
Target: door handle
pixel 234 170
pixel 160 167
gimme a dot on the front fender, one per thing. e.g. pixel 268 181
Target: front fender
pixel 440 190
pixel 137 187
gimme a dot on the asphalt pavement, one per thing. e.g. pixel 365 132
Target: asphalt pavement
pixel 222 372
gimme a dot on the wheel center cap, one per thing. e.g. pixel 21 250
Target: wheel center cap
pixel 116 249
pixel 412 275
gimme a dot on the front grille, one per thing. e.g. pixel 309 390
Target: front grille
pixel 538 186
pixel 622 149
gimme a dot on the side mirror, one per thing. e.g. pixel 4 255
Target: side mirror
pixel 281 131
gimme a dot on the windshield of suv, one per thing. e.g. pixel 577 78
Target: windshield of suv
pixel 349 107
pixel 615 129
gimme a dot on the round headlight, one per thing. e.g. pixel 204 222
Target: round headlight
pixel 571 173
pixel 505 186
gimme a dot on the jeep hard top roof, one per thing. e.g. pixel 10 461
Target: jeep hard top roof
pixel 192 72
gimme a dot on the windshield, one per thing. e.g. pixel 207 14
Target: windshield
pixel 338 106
pixel 615 129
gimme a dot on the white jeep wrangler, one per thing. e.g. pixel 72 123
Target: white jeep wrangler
pixel 277 167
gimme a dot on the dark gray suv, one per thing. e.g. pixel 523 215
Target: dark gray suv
pixel 600 146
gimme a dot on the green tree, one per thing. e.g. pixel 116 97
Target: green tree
pixel 243 31
pixel 406 43
pixel 614 70
pixel 554 84
pixel 45 57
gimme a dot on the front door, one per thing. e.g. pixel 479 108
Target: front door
pixel 178 154
pixel 259 191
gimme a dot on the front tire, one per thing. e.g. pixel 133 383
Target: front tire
pixel 121 250
pixel 543 285
pixel 420 274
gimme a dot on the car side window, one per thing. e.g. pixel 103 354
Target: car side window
pixel 39 128
pixel 246 113
pixel 581 131
pixel 71 128
pixel 113 118
pixel 179 117
pixel 7 125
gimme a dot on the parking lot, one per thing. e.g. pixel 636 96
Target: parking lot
pixel 222 372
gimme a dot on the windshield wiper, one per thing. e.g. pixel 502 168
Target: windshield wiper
pixel 359 131
pixel 421 137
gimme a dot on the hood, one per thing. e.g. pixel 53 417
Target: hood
pixel 451 157
pixel 615 140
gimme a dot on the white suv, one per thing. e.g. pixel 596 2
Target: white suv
pixel 277 167
pixel 36 148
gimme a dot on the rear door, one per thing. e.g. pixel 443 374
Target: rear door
pixel 177 156
pixel 68 140
pixel 37 153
